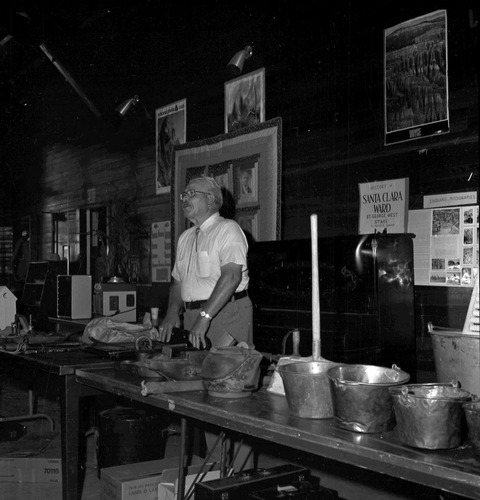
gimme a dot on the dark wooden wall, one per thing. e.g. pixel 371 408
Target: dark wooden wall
pixel 332 112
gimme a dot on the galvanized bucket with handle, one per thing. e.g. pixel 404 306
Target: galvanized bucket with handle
pixel 307 388
pixel 361 400
pixel 430 416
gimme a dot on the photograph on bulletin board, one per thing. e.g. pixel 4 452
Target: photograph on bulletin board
pixel 416 78
pixel 245 100
pixel 170 130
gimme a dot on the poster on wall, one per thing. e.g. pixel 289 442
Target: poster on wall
pixel 160 245
pixel 170 130
pixel 383 206
pixel 245 100
pixel 445 245
pixel 416 78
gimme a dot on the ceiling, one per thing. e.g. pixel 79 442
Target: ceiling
pixel 164 50
pixel 112 49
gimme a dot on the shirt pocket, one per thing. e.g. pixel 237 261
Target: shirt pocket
pixel 203 262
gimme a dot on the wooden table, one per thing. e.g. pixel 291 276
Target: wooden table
pixel 266 416
pixel 54 373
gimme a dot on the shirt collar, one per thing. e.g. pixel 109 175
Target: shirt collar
pixel 209 222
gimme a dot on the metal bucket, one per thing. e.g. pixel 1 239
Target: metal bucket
pixel 361 397
pixel 429 415
pixel 307 388
pixel 472 414
pixel 457 357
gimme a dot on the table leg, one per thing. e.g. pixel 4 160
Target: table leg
pixel 70 395
pixel 69 418
pixel 181 463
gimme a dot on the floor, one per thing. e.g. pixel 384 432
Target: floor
pixel 351 483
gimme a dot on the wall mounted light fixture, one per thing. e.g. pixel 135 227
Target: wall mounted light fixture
pixel 123 108
pixel 235 66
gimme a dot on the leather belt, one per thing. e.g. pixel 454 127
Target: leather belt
pixel 198 304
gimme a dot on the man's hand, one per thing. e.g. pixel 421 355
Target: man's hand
pixel 198 333
pixel 165 329
pixel 172 318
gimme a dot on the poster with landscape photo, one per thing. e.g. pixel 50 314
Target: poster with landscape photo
pixel 416 78
pixel 245 100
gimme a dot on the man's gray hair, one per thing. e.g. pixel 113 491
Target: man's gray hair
pixel 214 188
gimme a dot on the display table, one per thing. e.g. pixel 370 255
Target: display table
pixel 54 373
pixel 266 416
pixel 63 325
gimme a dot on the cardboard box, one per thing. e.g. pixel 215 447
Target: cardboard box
pixel 34 458
pixel 138 481
pixel 168 488
pixel 31 470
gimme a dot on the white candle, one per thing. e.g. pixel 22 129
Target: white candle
pixel 315 290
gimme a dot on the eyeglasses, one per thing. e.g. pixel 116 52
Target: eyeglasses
pixel 190 193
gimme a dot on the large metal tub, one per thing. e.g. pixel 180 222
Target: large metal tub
pixel 430 416
pixel 361 397
pixel 457 357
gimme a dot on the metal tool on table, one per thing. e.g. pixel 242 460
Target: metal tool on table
pixel 171 361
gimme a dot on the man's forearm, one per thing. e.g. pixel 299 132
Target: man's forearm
pixel 224 289
pixel 175 303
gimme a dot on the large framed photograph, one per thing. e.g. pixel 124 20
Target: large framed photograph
pixel 245 174
pixel 245 100
pixel 255 150
pixel 416 78
pixel 170 130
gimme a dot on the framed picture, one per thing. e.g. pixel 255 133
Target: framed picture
pixel 246 180
pixel 245 100
pixel 170 130
pixel 255 149
pixel 416 78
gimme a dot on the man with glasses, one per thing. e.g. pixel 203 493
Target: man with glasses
pixel 210 275
pixel 210 280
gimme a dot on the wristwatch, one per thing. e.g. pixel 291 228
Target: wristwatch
pixel 204 314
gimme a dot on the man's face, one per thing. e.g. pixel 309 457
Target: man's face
pixel 196 207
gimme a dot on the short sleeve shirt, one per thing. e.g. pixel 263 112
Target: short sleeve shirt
pixel 202 252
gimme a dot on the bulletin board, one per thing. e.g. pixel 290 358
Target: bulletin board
pixel 445 245
pixel 247 163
